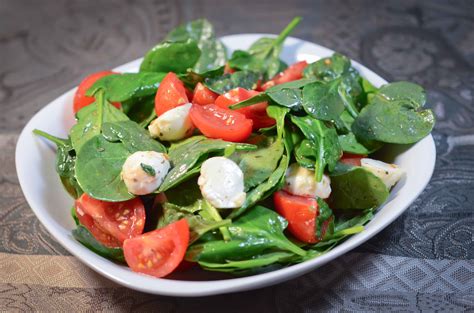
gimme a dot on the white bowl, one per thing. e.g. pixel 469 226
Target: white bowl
pixel 35 164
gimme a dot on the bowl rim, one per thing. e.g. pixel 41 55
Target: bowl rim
pixel 185 288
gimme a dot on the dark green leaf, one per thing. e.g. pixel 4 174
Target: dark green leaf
pixel 324 139
pixel 410 94
pixel 122 87
pixel 187 156
pixel 174 57
pixel 393 122
pixel 213 53
pixel 324 220
pixel 351 144
pixel 356 188
pixel 243 79
pixel 82 235
pixel 322 100
pixel 259 230
pixel 329 68
pixel 191 78
pixel 242 267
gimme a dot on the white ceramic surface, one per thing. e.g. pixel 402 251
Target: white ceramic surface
pixel 35 163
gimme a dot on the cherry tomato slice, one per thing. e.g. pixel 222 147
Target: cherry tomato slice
pixel 80 98
pixel 293 72
pixel 100 235
pixel 352 159
pixel 171 93
pixel 203 95
pixel 217 122
pixel 122 220
pixel 300 212
pixel 158 253
pixel 257 112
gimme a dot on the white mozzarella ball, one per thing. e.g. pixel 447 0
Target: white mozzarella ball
pixel 390 174
pixel 144 171
pixel 173 125
pixel 222 183
pixel 300 181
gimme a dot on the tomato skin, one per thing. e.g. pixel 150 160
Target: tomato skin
pixel 300 212
pixel 352 159
pixel 203 95
pixel 100 235
pixel 121 220
pixel 219 123
pixel 256 112
pixel 293 72
pixel 80 98
pixel 228 69
pixel 170 94
pixel 159 252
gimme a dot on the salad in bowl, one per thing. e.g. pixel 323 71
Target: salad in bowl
pixel 240 164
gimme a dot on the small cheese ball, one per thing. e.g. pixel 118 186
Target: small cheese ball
pixel 173 125
pixel 222 183
pixel 390 174
pixel 144 171
pixel 300 181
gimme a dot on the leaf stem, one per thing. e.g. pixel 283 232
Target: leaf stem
pixel 58 141
pixel 288 29
pixel 217 217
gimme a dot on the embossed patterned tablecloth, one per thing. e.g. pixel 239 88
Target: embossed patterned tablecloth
pixel 423 261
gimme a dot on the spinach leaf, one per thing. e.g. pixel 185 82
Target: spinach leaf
pixel 174 57
pixel 324 139
pixel 126 86
pixel 393 122
pixel 259 230
pixel 356 188
pixel 140 110
pixel 410 94
pixel 258 165
pixel 191 78
pixel 264 55
pixel 91 118
pixel 349 143
pixel 305 154
pixel 324 220
pixel 213 52
pixel 65 163
pixel 188 155
pixel 131 136
pixel 328 69
pixel 287 95
pixel 243 267
pixel 98 168
pixel 322 100
pixel 82 235
pixel 243 79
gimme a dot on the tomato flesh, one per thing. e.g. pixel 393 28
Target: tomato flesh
pixel 158 253
pixel 203 95
pixel 80 98
pixel 300 212
pixel 121 220
pixel 99 234
pixel 352 159
pixel 220 123
pixel 293 72
pixel 256 112
pixel 170 94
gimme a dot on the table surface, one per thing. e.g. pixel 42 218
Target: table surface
pixel 423 261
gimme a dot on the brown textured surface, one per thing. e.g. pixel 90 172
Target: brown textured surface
pixel 423 261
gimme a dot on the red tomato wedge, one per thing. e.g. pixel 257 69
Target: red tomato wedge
pixel 257 112
pixel 100 235
pixel 171 93
pixel 80 98
pixel 352 159
pixel 121 220
pixel 300 212
pixel 220 123
pixel 203 95
pixel 158 253
pixel 293 72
